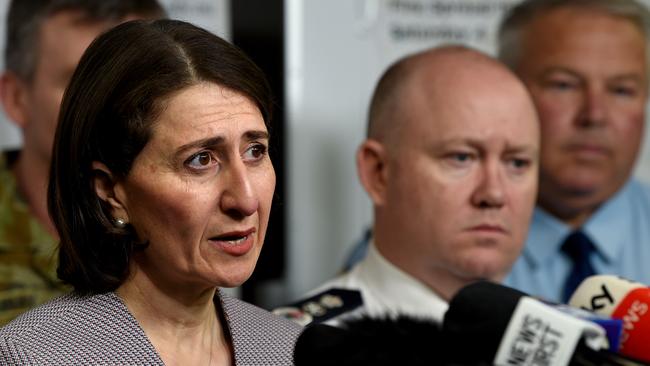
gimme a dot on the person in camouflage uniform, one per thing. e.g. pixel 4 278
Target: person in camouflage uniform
pixel 45 40
pixel 27 266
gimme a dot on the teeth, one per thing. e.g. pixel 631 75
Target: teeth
pixel 236 241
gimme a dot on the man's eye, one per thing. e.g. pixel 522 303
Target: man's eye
pixel 624 91
pixel 561 84
pixel 200 160
pixel 519 164
pixel 462 157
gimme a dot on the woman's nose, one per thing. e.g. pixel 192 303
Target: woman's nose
pixel 238 198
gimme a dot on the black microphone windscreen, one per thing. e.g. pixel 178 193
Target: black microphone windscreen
pixel 477 317
pixel 366 341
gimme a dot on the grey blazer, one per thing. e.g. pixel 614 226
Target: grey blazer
pixel 99 330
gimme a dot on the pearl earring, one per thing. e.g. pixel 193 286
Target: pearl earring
pixel 120 223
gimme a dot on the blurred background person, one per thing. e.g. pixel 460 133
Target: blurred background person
pixel 160 190
pixel 45 40
pixel 450 164
pixel 585 63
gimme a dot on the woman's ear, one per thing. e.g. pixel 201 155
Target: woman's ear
pixel 109 190
pixel 372 168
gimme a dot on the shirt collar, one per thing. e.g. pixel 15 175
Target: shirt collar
pixel 398 291
pixel 545 236
pixel 610 227
pixel 547 233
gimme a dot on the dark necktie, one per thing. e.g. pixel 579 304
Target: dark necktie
pixel 578 248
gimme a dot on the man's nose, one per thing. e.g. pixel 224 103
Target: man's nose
pixel 593 108
pixel 489 192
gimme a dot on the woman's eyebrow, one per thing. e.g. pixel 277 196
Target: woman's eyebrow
pixel 213 142
pixel 256 135
pixel 203 143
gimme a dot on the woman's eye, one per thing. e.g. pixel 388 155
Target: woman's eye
pixel 201 160
pixel 255 152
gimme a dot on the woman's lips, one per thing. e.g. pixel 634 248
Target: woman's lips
pixel 235 243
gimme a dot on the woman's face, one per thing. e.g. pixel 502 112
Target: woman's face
pixel 200 191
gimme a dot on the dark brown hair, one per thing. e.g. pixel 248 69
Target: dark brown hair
pixel 115 95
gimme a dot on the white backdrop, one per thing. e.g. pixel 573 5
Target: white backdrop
pixel 336 51
pixel 214 15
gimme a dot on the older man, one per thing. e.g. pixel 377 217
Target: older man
pixel 450 164
pixel 45 40
pixel 585 63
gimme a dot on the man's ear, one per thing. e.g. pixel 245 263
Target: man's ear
pixel 13 94
pixel 373 169
pixel 109 190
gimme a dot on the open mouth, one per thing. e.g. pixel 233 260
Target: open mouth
pixel 236 242
pixel 232 240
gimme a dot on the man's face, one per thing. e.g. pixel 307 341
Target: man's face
pixel 587 74
pixel 63 39
pixel 462 179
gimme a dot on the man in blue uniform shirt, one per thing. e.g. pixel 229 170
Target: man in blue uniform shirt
pixel 586 66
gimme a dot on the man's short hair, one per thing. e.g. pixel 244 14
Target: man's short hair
pixel 510 32
pixel 385 97
pixel 26 17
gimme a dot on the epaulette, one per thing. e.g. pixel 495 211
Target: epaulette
pixel 322 306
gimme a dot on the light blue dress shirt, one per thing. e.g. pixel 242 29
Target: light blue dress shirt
pixel 619 229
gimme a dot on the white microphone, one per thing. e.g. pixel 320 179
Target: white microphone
pixel 622 299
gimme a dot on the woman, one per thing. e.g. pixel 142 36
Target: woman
pixel 160 189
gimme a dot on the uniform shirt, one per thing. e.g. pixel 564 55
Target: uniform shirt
pixel 387 291
pixel 27 254
pixel 619 229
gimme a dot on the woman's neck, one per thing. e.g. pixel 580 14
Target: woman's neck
pixel 183 327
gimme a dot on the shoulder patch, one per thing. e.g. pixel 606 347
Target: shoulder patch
pixel 322 306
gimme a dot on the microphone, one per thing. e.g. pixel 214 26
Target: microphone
pixel 503 325
pixel 622 299
pixel 486 324
pixel 378 342
pixel 613 327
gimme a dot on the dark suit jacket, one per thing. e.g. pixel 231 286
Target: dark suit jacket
pixel 99 330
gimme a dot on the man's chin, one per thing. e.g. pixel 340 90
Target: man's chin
pixel 578 180
pixel 578 193
pixel 485 269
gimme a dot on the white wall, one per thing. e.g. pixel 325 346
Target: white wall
pixel 214 15
pixel 335 52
